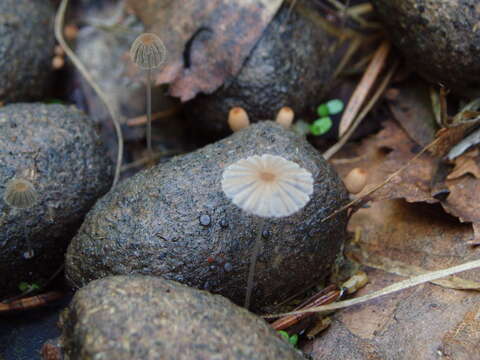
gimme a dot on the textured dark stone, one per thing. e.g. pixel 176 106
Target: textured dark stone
pixel 144 317
pixel 149 224
pixel 437 38
pixel 56 148
pixel 26 48
pixel 291 65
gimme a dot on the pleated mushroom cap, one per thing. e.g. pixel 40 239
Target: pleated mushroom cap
pixel 267 185
pixel 20 193
pixel 148 51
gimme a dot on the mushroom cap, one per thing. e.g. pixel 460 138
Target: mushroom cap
pixel 267 185
pixel 148 51
pixel 238 119
pixel 20 193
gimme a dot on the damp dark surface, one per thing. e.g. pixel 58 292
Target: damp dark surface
pixel 58 150
pixel 437 39
pixel 23 333
pixel 170 221
pixel 26 49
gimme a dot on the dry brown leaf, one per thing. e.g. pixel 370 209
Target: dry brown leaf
pixel 412 108
pixel 413 184
pixel 403 269
pixel 466 164
pixel 449 137
pixel 418 323
pixel 207 40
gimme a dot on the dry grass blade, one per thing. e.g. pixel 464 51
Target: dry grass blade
pixel 364 87
pixel 401 285
pixel 59 21
pixel 381 88
pixel 402 269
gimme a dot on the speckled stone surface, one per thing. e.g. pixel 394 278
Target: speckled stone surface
pixel 437 38
pixel 58 150
pixel 26 48
pixel 143 317
pixel 174 221
pixel 291 65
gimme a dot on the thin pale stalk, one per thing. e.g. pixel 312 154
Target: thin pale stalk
pixel 149 114
pixel 253 261
pixel 59 20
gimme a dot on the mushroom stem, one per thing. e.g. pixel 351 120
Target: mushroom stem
pixel 149 114
pixel 253 261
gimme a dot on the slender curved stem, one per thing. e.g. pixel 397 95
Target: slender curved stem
pixel 149 114
pixel 253 261
pixel 59 20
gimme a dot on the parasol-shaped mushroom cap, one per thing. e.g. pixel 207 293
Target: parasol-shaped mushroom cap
pixel 20 193
pixel 267 185
pixel 148 51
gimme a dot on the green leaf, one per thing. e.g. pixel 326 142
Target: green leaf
pixel 293 340
pixel 24 286
pixel 334 106
pixel 322 110
pixel 321 126
pixel 284 335
pixel 34 286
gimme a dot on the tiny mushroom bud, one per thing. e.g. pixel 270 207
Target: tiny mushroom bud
pixel 285 117
pixel 20 193
pixel 58 62
pixel 355 180
pixel 238 119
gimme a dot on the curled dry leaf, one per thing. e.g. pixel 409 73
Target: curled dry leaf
pixel 421 322
pixel 467 163
pixel 207 40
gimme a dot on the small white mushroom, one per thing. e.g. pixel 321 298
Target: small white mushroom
pixel 20 193
pixel 267 185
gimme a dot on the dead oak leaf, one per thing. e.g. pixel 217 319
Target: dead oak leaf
pixel 466 164
pixel 207 40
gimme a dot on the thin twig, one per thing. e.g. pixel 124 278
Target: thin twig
pixel 364 86
pixel 386 181
pixel 401 285
pixel 326 296
pixel 142 120
pixel 381 88
pixel 31 302
pixel 33 290
pixel 59 21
